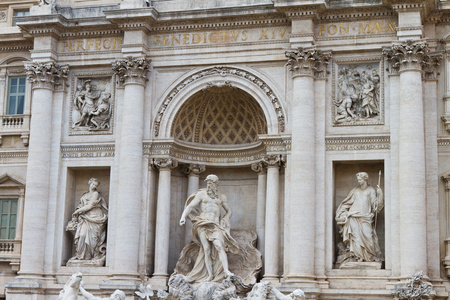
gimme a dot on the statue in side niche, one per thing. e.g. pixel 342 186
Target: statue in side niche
pixel 356 218
pixel 210 232
pixel 88 225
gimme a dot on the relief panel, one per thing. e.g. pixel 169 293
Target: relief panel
pixel 358 94
pixel 92 105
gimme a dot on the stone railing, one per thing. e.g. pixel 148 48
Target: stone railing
pixel 16 123
pixel 8 247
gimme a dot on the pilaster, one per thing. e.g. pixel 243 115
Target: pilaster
pixel 261 169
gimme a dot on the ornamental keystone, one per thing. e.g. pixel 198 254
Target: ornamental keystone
pixel 47 75
pixel 308 62
pixel 132 69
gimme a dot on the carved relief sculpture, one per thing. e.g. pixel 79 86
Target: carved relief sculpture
pixel 88 226
pixel 356 216
pixel 357 94
pixel 92 105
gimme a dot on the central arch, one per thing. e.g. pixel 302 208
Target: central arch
pixel 240 78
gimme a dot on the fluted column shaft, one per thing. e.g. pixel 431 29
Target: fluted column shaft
pixel 44 78
pixel 162 237
pixel 132 72
pixel 409 58
pixel 272 238
pixel 305 65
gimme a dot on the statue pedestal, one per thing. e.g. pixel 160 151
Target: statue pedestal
pixel 86 263
pixel 365 265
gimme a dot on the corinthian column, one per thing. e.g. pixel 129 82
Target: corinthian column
pixel 162 236
pixel 272 235
pixel 409 58
pixel 305 65
pixel 132 72
pixel 194 171
pixel 45 78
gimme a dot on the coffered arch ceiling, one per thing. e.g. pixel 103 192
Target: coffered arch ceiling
pixel 219 116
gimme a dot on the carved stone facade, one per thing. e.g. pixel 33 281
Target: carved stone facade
pixel 284 100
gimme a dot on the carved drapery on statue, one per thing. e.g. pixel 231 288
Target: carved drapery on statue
pixel 356 216
pixel 88 225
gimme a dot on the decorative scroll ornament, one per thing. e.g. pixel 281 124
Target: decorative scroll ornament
pixel 259 167
pixel 196 169
pixel 132 69
pixel 47 75
pixel 274 159
pixel 414 289
pixel 164 163
pixel 223 71
pixel 412 56
pixel 309 62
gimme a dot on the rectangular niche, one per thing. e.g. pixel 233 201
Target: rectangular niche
pixel 92 102
pixel 344 182
pixel 77 184
pixel 358 92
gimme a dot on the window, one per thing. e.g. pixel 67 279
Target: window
pixel 20 13
pixel 8 219
pixel 16 95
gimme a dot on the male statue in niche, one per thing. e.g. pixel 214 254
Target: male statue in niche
pixel 210 232
pixel 356 218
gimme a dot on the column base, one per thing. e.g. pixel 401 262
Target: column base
pixel 273 279
pixel 159 281
pixel 303 280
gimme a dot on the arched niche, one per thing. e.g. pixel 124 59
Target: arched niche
pixel 240 78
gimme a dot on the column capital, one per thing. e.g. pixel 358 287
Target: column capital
pixel 47 75
pixel 132 69
pixel 412 56
pixel 164 163
pixel 308 62
pixel 259 167
pixel 274 160
pixel 196 169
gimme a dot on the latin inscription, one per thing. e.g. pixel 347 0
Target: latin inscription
pixel 220 37
pixel 100 44
pixel 356 28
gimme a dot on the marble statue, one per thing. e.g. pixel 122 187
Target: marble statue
pixel 71 288
pixel 92 107
pixel 414 289
pixel 117 295
pixel 211 232
pixel 88 225
pixel 355 217
pixel 146 292
pixel 358 93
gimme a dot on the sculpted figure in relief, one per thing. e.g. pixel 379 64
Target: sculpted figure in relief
pixel 211 232
pixel 358 94
pixel 355 217
pixel 92 108
pixel 88 225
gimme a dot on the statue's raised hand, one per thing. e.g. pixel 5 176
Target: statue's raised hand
pixel 182 221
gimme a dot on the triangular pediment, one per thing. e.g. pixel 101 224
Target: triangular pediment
pixel 8 180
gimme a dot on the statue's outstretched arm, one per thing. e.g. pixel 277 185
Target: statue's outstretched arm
pixel 189 207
